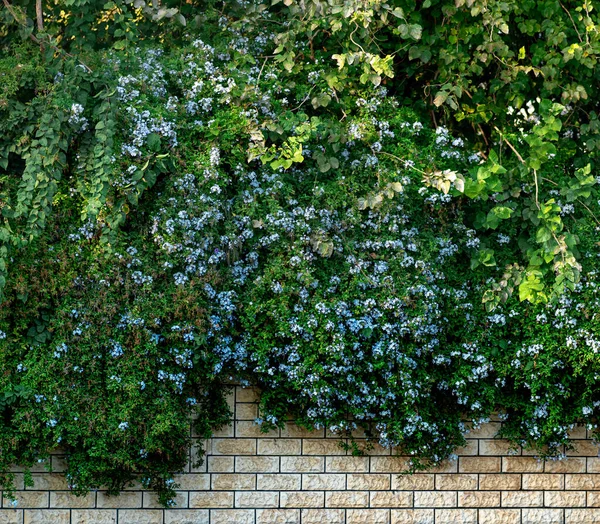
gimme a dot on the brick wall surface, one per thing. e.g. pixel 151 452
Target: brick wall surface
pixel 294 476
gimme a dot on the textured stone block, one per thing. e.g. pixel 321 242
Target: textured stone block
pixel 193 481
pixel 367 516
pixel 347 499
pixel 49 481
pixel 479 465
pixel 278 481
pixel 140 516
pixel 291 430
pixel 323 481
pixel 227 446
pixel 456 516
pixel 67 499
pixel 302 464
pixel 11 516
pixel 479 499
pixel 233 481
pixel 543 481
pixel 323 516
pixel 47 516
pixel 435 499
pixel 582 516
pixel 412 516
pixel 347 464
pixel 229 516
pixel 256 464
pixel 543 516
pixel 497 447
pixel 93 516
pixel 28 499
pixel 565 499
pixel 522 465
pixel 278 516
pixel 455 481
pixel 522 499
pixel 256 499
pixel 499 481
pixel 389 464
pixel 489 430
pixel 127 499
pixel 211 499
pixel 569 465
pixel 284 446
pixel 593 499
pixel 322 447
pixel 591 481
pixel 412 481
pixel 250 394
pixel 187 516
pixel 219 464
pixel 225 431
pixel 250 429
pixel 369 481
pixel 302 499
pixel 391 499
pixel 448 466
pixel 246 411
pixel 470 448
pixel 584 448
pixel 499 516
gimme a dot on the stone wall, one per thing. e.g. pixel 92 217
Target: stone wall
pixel 295 476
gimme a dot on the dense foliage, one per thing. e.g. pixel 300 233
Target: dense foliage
pixel 382 214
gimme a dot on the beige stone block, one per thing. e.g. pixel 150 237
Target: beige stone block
pixel 479 465
pixel 291 430
pixel 93 516
pixel 522 465
pixel 456 516
pixel 278 481
pixel 435 499
pixel 369 481
pixel 489 430
pixel 322 447
pixel 279 446
pixel 303 464
pixel 470 448
pixel 278 516
pixel 257 464
pixel 499 516
pixel 233 446
pixel 497 447
pixel 367 516
pixel 211 499
pixel 522 499
pixel 323 516
pixel 233 481
pixel 49 481
pixel 67 499
pixel 225 431
pixel 229 516
pixel 256 499
pixel 455 481
pixel 448 466
pixel 583 481
pixel 583 448
pixel 141 516
pixel 412 516
pixel 543 516
pixel 323 481
pixel 186 516
pixel 479 499
pixel 389 464
pixel 371 449
pixel 593 464
pixel 28 499
pixel 582 516
pixel 47 516
pixel 219 464
pixel 578 432
pixel 302 499
pixel 246 412
pixel 192 481
pixel 593 499
pixel 569 465
pixel 496 481
pixel 412 481
pixel 391 499
pixel 250 394
pixel 565 499
pixel 11 516
pixel 347 464
pixel 249 429
pixel 127 499
pixel 347 499
pixel 543 481
pixel 230 399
